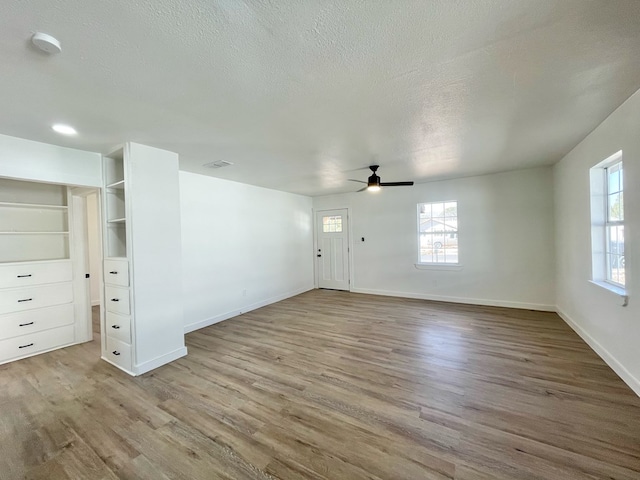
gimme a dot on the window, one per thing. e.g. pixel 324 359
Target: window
pixel 332 224
pixel 607 222
pixel 438 233
pixel 614 246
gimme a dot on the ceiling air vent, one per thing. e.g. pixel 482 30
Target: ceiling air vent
pixel 218 164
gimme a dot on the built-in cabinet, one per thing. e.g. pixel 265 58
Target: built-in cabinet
pixel 37 311
pixel 142 317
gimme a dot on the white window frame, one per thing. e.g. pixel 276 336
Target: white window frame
pixel 437 265
pixel 599 223
pixel 611 223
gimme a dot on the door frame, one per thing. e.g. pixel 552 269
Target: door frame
pixel 79 251
pixel 316 272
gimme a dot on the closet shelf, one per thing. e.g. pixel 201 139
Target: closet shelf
pixel 34 233
pixel 33 205
pixel 119 185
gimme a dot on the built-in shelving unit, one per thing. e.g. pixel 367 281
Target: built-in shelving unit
pixel 36 271
pixel 142 312
pixel 115 205
pixel 34 221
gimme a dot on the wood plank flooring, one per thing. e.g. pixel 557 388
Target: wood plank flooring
pixel 331 385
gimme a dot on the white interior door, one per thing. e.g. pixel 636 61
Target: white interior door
pixel 332 249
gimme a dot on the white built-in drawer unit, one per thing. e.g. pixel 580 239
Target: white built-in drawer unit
pixel 31 321
pixel 20 299
pixel 117 299
pixel 119 326
pixel 34 273
pixel 25 345
pixel 116 272
pixel 118 352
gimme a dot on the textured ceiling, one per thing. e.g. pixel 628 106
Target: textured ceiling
pixel 300 94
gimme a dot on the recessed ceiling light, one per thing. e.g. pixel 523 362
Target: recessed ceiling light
pixel 64 129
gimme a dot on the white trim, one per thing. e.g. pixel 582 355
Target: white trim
pixel 611 287
pixel 159 361
pixel 604 354
pixel 263 303
pixel 439 266
pixel 468 301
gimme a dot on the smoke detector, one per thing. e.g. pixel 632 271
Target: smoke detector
pixel 218 164
pixel 46 43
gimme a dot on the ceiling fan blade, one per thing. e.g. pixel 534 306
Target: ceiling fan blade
pixel 362 189
pixel 396 184
pixel 352 180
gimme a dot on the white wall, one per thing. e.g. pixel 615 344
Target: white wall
pixel 28 160
pixel 506 240
pixel 242 247
pixel 595 313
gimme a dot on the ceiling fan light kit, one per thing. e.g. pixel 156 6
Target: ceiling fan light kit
pixel 374 183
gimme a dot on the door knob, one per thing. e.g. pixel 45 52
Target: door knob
pixel 319 255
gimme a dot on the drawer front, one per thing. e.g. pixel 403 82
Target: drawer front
pixel 26 345
pixel 118 352
pixel 119 327
pixel 27 274
pixel 20 299
pixel 117 300
pixel 116 272
pixel 31 321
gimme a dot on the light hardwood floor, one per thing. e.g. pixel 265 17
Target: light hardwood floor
pixel 331 385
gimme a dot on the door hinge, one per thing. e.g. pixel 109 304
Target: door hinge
pixel 86 275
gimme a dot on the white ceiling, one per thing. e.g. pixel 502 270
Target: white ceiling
pixel 301 94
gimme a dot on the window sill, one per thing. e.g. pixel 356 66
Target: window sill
pixel 619 291
pixel 439 266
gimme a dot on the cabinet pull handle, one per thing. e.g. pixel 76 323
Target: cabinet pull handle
pixel 114 272
pixel 24 276
pixel 26 324
pixel 115 299
pixel 27 345
pixel 117 327
pixel 115 352
pixel 25 300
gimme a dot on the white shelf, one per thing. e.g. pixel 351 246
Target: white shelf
pixel 117 220
pixel 33 205
pixel 119 185
pixel 34 233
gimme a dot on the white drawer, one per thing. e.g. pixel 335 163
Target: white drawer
pixel 119 353
pixel 30 321
pixel 116 272
pixel 117 300
pixel 20 299
pixel 118 326
pixel 30 273
pixel 26 345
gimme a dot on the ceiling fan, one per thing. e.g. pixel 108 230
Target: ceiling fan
pixel 374 183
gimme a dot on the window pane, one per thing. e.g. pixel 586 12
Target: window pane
pixel 614 178
pixel 332 224
pixel 437 209
pixel 615 207
pixel 438 227
pixel 451 209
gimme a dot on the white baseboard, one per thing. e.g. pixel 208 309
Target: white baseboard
pixel 95 303
pixel 159 361
pixel 468 301
pixel 607 356
pixel 247 308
